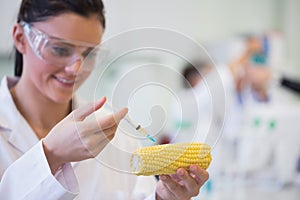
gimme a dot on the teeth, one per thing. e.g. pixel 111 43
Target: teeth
pixel 65 81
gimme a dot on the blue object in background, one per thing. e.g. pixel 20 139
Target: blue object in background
pixel 261 58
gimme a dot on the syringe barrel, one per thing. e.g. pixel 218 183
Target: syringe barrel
pixel 131 122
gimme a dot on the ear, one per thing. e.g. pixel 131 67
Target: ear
pixel 19 38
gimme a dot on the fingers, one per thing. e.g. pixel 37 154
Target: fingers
pixel 183 184
pixel 99 140
pixel 111 120
pixel 189 184
pixel 173 189
pixel 199 175
pixel 109 133
pixel 120 114
pixel 101 135
pixel 104 125
pixel 82 112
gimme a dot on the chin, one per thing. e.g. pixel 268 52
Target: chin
pixel 62 98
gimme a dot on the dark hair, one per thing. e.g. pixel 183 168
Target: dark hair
pixel 191 71
pixel 41 10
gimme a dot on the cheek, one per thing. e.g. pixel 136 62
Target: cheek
pixel 35 66
pixel 32 61
pixel 83 76
pixel 36 71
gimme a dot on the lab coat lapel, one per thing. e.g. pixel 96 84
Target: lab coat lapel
pixel 19 133
pixel 22 139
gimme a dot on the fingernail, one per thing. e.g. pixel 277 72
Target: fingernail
pixel 180 172
pixel 99 101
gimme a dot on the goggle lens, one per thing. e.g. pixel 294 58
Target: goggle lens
pixel 59 52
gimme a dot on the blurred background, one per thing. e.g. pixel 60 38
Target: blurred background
pixel 258 154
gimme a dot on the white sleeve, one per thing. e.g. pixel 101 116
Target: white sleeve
pixel 30 177
pixel 226 77
pixel 145 186
pixel 151 197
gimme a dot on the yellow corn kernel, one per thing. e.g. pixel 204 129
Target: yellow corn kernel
pixel 167 158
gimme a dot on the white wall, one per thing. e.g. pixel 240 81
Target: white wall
pixel 8 16
pixel 6 67
pixel 291 29
pixel 205 20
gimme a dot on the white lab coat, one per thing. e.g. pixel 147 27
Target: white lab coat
pixel 258 147
pixel 191 116
pixel 25 173
pixel 197 113
pixel 269 143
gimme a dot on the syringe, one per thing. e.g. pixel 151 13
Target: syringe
pixel 139 128
pixel 135 125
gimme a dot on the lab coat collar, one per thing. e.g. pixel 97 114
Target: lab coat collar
pixel 19 133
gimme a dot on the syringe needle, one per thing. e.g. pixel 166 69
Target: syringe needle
pixel 139 128
pixel 135 125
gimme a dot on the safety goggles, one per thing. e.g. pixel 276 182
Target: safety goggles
pixel 60 52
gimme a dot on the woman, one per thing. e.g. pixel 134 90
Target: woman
pixel 45 144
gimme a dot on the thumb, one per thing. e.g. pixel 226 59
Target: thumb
pixel 113 119
pixel 120 114
pixel 81 113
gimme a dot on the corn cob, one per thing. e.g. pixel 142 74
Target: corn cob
pixel 167 158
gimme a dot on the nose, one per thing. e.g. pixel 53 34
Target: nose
pixel 74 68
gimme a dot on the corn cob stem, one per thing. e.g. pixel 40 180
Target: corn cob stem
pixel 167 158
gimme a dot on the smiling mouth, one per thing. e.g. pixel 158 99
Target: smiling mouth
pixel 65 81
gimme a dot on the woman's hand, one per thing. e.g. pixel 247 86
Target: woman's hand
pixel 75 138
pixel 181 186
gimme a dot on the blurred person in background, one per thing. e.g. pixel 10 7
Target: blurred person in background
pixel 250 71
pixel 187 116
pixel 193 117
pixel 266 117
